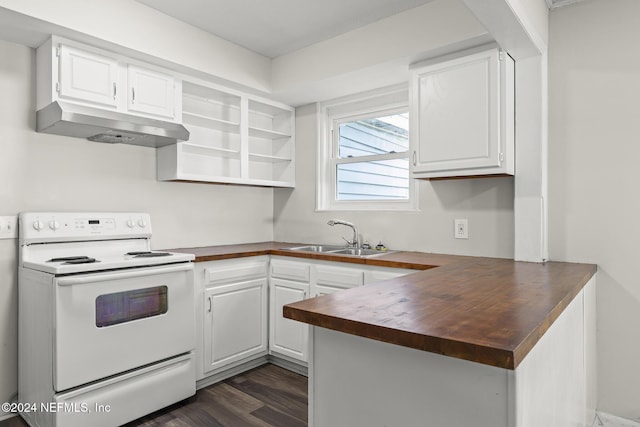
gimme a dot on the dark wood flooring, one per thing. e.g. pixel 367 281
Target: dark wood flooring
pixel 268 396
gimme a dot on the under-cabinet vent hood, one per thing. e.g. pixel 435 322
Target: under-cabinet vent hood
pixel 68 119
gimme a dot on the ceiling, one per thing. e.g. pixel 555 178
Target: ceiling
pixel 277 27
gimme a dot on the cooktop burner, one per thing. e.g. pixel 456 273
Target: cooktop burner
pixel 147 254
pixel 68 258
pixel 85 260
pixel 80 259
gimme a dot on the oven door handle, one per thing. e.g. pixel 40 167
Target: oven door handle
pixel 66 281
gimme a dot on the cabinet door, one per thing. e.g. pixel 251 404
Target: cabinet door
pixel 456 115
pixel 378 275
pixel 287 337
pixel 235 322
pixel 150 92
pixel 290 270
pixel 338 276
pixel 326 290
pixel 86 76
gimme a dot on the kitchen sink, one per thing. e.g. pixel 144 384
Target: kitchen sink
pixel 338 250
pixel 317 248
pixel 359 252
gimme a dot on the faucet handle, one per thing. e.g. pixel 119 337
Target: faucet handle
pixel 349 242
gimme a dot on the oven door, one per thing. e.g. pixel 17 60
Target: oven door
pixel 110 322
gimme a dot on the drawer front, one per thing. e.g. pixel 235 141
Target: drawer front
pixel 380 275
pixel 290 270
pixel 339 276
pixel 234 271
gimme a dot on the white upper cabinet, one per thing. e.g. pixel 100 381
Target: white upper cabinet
pixel 462 115
pixel 150 92
pixel 86 76
pixel 73 72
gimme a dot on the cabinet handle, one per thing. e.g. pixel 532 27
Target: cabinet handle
pixel 415 157
pixel 115 90
pixel 210 305
pixel 133 95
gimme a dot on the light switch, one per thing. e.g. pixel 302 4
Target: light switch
pixel 8 227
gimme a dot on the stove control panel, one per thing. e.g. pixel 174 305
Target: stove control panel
pixel 69 226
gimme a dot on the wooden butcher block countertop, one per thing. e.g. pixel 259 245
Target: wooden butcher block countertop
pixel 487 310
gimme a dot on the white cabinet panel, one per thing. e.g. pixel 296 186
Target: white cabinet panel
pixel 320 290
pixel 341 277
pixel 86 76
pixel 292 270
pixel 235 322
pixel 377 274
pixel 227 271
pixel 150 92
pixel 462 111
pixel 287 337
pixel 232 313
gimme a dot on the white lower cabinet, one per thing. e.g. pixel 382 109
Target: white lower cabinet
pixel 287 337
pixel 378 274
pixel 292 280
pixel 239 304
pixel 232 307
pixel 331 278
pixel 235 322
pixel 289 282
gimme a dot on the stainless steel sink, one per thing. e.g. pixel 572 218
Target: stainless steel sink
pixel 338 250
pixel 317 248
pixel 360 252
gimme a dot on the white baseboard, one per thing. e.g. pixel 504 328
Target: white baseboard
pixel 607 420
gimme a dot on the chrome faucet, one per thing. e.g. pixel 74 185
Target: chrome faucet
pixel 353 242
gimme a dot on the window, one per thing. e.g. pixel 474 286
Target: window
pixel 363 161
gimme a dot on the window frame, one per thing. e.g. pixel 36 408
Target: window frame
pixel 331 114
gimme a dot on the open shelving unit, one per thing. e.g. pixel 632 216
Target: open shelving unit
pixel 236 138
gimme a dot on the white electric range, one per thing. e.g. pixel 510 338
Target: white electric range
pixel 106 325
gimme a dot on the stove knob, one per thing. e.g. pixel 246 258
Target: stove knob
pixel 54 225
pixel 131 223
pixel 38 225
pixel 142 223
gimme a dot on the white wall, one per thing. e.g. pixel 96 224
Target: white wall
pixel 375 55
pixel 132 25
pixel 486 203
pixel 594 153
pixel 47 172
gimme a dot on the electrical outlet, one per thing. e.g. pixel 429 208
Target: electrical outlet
pixel 461 229
pixel 8 227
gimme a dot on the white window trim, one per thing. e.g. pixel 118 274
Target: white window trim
pixel 385 100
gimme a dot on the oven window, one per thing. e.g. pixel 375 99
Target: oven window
pixel 122 307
